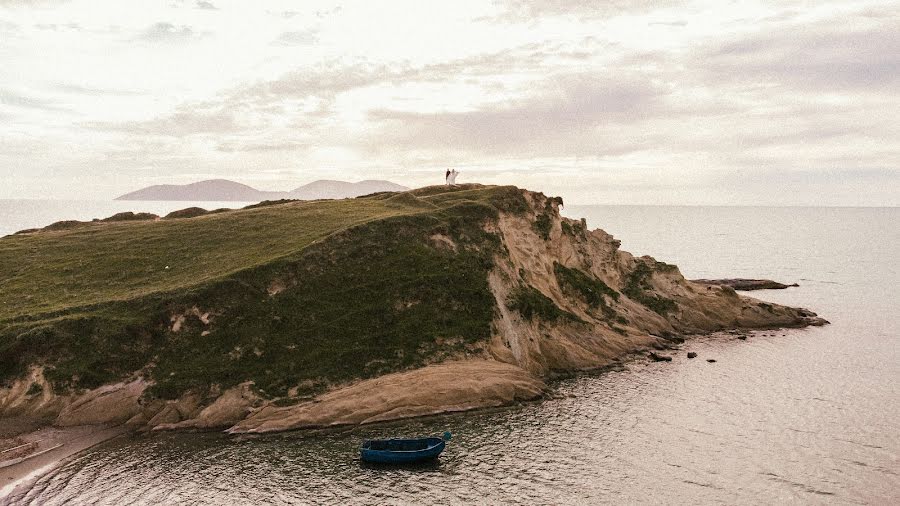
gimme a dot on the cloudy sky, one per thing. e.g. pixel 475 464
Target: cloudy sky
pixel 627 102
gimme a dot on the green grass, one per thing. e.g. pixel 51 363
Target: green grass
pixel 586 287
pixel 532 304
pixel 637 287
pixel 55 271
pixel 366 292
pixel 577 229
pixel 542 226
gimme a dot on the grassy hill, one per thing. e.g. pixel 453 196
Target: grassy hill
pixel 298 293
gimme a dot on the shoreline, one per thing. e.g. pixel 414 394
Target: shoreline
pixel 73 440
pixel 20 477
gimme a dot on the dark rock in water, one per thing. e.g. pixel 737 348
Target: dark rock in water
pixel 660 358
pixel 710 360
pixel 692 354
pixel 742 338
pixel 745 284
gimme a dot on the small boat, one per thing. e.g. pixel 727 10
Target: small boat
pixel 402 451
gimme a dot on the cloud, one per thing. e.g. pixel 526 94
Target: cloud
pixel 567 117
pixel 300 38
pixel 8 27
pixel 305 97
pixel 677 23
pixel 802 94
pixel 818 57
pixel 788 90
pixel 330 78
pixel 58 27
pixel 324 80
pixel 203 5
pixel 264 147
pixel 88 90
pixel 167 32
pixel 185 121
pixel 24 101
pixel 30 3
pixel 516 11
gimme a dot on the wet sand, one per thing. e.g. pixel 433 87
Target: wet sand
pixel 73 440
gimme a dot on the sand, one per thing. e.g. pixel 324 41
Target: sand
pixel 73 439
pixel 440 388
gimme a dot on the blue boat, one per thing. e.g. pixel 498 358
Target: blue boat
pixel 402 451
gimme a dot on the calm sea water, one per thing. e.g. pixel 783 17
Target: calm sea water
pixel 797 416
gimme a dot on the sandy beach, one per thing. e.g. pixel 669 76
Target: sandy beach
pixel 72 440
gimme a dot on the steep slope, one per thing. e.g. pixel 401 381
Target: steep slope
pixel 391 294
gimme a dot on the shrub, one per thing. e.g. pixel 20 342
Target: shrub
pixel 586 287
pixel 532 304
pixel 542 226
pixel 130 216
pixel 190 212
pixel 636 286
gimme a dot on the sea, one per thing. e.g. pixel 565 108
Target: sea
pixel 803 416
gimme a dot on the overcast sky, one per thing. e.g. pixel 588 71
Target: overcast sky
pixel 625 102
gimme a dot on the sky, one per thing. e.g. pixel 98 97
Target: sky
pixel 768 102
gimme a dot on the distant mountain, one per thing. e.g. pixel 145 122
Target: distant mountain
pixel 213 189
pixel 224 190
pixel 326 189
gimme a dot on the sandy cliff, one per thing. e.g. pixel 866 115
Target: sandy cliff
pixel 525 349
pixel 564 299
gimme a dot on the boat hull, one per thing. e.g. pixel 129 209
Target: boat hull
pixel 392 451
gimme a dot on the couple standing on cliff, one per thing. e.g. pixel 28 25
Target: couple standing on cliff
pixel 450 177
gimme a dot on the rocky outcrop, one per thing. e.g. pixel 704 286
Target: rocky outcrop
pixel 108 404
pixel 441 388
pixel 746 285
pixel 610 303
pixel 31 397
pixel 228 409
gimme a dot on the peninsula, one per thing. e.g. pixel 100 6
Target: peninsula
pixel 289 315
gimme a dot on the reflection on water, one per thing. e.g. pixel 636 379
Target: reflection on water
pixel 803 416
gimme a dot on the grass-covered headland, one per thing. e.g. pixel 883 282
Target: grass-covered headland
pixel 296 293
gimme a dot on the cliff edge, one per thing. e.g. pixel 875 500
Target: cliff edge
pixel 312 314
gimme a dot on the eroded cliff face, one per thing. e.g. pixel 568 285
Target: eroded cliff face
pixel 612 302
pixel 565 299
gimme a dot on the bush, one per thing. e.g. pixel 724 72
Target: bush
pixel 190 212
pixel 636 286
pixel 64 225
pixel 129 216
pixel 542 226
pixel 586 287
pixel 532 304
